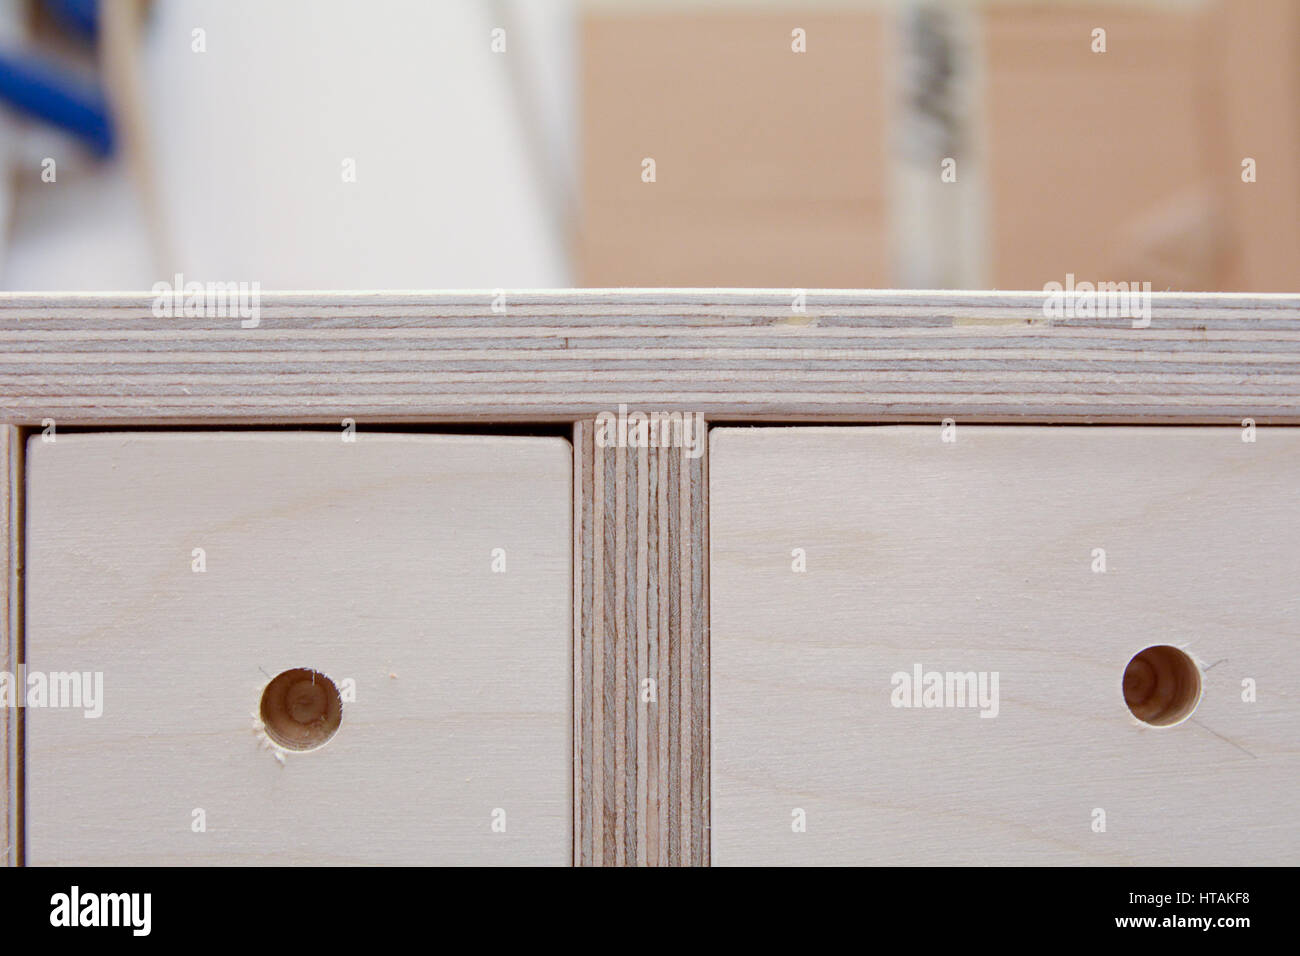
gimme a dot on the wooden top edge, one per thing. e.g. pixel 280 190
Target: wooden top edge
pixel 720 296
pixel 562 355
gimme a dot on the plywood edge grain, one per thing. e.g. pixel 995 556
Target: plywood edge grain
pixel 641 657
pixel 731 354
pixel 11 485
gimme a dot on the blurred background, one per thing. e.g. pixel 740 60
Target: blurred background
pixel 407 144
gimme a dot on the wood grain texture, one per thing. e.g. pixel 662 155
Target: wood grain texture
pixel 640 612
pixel 730 354
pixel 370 561
pixel 11 487
pixel 978 556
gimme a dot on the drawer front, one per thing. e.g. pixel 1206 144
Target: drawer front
pixel 924 643
pixel 420 585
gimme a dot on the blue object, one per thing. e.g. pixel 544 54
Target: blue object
pixel 34 87
pixel 76 16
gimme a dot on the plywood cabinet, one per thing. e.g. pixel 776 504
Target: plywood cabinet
pixel 1020 588
pixel 420 582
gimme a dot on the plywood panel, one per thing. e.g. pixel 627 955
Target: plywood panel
pixel 979 556
pixel 370 561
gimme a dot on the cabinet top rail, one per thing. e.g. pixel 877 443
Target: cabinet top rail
pixel 228 354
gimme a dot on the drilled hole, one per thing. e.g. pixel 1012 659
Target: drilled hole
pixel 1162 685
pixel 301 709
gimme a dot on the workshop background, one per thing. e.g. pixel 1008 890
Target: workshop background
pixel 401 144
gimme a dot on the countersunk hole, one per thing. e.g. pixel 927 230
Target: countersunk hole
pixel 1162 685
pixel 301 709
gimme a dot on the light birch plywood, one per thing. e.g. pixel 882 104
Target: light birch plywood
pixel 729 354
pixel 370 561
pixel 641 653
pixel 11 458
pixel 978 556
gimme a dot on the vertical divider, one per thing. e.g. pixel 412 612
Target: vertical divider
pixel 640 653
pixel 11 767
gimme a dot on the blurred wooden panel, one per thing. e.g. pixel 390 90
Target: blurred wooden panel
pixel 1259 109
pixel 769 163
pixel 773 168
pixel 768 244
pixel 1100 163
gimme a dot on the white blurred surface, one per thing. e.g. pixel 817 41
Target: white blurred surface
pixel 250 139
